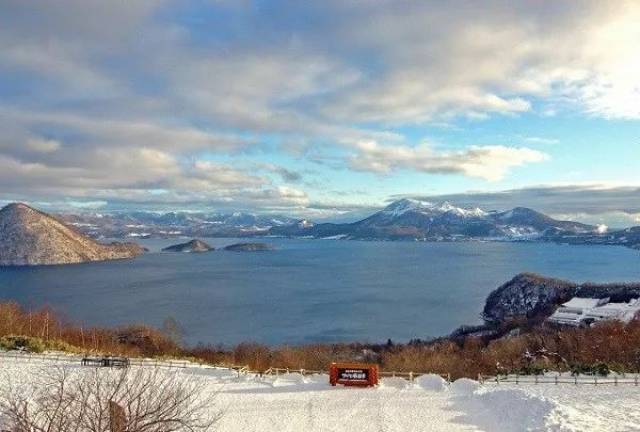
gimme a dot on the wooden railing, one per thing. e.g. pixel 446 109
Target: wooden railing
pixel 562 378
pixel 556 378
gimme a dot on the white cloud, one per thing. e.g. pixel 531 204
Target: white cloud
pixel 42 145
pixel 123 99
pixel 540 140
pixel 487 162
pixel 490 57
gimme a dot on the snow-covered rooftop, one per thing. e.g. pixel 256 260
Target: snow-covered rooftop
pixel 584 303
pixel 585 310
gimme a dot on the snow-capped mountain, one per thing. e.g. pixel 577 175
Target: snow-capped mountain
pixel 155 224
pixel 406 205
pixel 409 219
pixel 405 219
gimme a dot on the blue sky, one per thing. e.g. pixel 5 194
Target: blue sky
pixel 321 109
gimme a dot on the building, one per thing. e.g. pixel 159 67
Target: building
pixel 584 311
pixel 619 311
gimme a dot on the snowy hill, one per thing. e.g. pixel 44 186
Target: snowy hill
pixel 308 403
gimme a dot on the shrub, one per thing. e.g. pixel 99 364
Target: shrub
pixel 22 343
pixel 597 369
pixel 608 344
pixel 144 400
pixel 531 370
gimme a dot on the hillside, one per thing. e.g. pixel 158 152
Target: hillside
pixel 31 237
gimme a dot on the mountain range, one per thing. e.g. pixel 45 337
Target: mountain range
pixel 138 224
pixel 405 219
pixel 409 219
pixel 31 237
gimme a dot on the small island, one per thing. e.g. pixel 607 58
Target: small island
pixel 249 247
pixel 193 246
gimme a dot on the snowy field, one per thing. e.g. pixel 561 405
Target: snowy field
pixel 295 403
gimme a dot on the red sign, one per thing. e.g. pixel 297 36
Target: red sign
pixel 353 374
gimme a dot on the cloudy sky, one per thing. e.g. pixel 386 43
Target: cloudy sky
pixel 323 108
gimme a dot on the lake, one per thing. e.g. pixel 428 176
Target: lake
pixel 307 290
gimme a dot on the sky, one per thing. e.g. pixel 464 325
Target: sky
pixel 323 109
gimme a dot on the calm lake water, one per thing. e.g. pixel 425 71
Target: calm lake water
pixel 307 290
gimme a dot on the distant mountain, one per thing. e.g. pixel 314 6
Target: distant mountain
pixel 31 237
pixel 173 224
pixel 629 237
pixel 406 219
pixel 193 246
pixel 409 219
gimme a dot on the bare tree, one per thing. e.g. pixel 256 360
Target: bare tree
pixel 72 400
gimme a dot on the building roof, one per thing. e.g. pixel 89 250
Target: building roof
pixel 584 303
pixel 579 309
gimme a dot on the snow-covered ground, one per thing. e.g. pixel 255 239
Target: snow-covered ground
pixel 295 403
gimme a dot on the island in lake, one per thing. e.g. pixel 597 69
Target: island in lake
pixel 249 247
pixel 193 246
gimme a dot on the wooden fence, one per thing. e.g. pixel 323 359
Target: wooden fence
pixel 562 378
pixel 556 378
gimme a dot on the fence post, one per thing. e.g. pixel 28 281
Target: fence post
pixel 536 378
pixel 575 379
pixel 556 379
pixel 595 379
pixel 449 378
pixel 517 378
pixel 635 380
pixel 615 380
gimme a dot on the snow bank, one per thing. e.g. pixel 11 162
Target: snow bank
pixel 394 382
pixel 289 379
pixel 504 410
pixel 431 382
pixel 464 387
